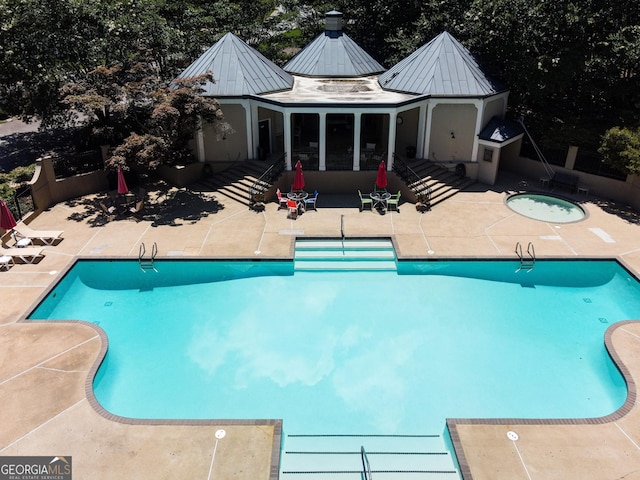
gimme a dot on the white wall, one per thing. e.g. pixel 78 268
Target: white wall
pixel 459 119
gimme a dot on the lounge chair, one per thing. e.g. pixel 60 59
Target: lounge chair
pixel 26 254
pixel 311 201
pixel 6 261
pixel 365 201
pixel 47 237
pixel 20 241
pixel 393 202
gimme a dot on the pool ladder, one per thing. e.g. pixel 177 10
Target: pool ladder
pixel 147 263
pixel 526 263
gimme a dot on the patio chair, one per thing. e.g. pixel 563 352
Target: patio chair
pixel 47 237
pixel 26 254
pixel 282 201
pixel 365 201
pixel 6 261
pixel 138 206
pixel 311 201
pixel 392 203
pixel 292 205
pixel 110 212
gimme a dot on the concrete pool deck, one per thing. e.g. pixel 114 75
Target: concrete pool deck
pixel 45 367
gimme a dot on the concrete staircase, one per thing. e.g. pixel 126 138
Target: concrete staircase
pixel 348 254
pixel 234 182
pixel 444 183
pixel 390 457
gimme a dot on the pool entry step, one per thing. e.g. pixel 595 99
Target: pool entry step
pixel 389 457
pixel 348 254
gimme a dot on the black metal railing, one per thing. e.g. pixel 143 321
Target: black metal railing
pixel 415 182
pixel 84 162
pixel 262 184
pixel 23 202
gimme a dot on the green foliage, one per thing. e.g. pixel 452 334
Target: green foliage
pixel 22 174
pixel 6 192
pixel 621 149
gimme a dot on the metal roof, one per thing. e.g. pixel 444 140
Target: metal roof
pixel 442 67
pixel 238 70
pixel 499 130
pixel 333 54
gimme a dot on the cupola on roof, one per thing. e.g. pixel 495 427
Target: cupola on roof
pixel 333 54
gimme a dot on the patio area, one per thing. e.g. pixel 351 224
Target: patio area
pixel 46 369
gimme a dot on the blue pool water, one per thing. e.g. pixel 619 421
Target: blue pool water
pixel 332 352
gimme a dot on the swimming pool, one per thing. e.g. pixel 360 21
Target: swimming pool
pixel 378 352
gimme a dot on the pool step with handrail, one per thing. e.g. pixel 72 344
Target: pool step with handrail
pixel 345 255
pixel 391 457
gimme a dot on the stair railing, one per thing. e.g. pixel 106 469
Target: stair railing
pixel 366 467
pixel 262 184
pixel 415 182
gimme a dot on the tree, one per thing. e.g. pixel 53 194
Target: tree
pixel 148 121
pixel 621 149
pixel 176 112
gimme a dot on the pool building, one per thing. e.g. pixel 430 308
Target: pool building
pixel 335 108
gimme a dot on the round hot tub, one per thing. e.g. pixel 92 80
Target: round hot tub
pixel 546 208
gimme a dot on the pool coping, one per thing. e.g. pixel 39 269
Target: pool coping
pixel 451 423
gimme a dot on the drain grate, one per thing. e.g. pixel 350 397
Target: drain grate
pixel 603 320
pixel 587 300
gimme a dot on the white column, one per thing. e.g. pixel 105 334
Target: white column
pixel 391 146
pixel 427 132
pixel 474 151
pixel 287 139
pixel 357 126
pixel 253 130
pixel 422 122
pixel 322 147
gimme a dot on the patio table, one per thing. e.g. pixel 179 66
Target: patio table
pixel 380 199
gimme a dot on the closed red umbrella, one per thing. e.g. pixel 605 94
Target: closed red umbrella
pixel 7 222
pixel 122 184
pixel 381 180
pixel 298 179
